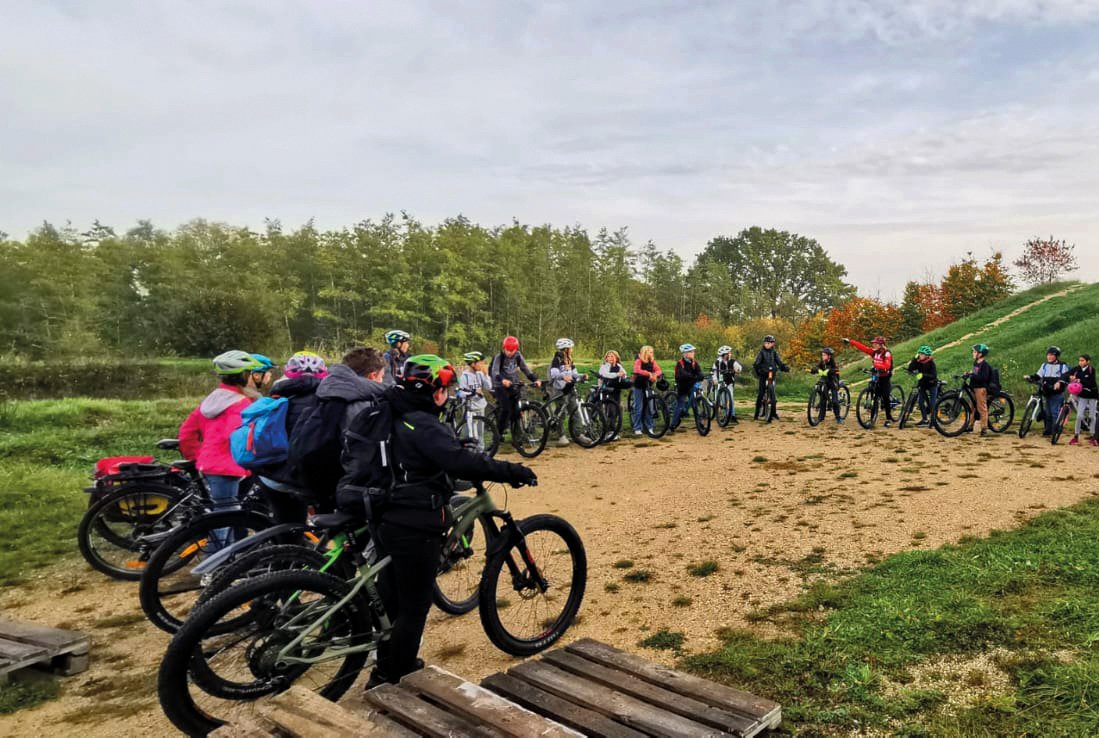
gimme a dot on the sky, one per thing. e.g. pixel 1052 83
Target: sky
pixel 900 134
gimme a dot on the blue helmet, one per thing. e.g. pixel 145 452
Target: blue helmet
pixel 265 363
pixel 686 347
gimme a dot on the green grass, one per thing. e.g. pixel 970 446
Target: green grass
pixel 1030 591
pixel 47 450
pixel 664 640
pixel 19 695
pixel 702 569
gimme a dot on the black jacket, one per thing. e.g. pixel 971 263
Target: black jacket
pixel 768 360
pixel 1085 375
pixel 301 395
pixel 428 457
pixel 832 378
pixel 928 369
pixel 687 373
pixel 980 375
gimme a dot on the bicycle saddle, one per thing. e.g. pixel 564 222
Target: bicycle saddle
pixel 168 444
pixel 333 521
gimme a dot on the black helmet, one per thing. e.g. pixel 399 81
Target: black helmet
pixel 828 350
pixel 768 339
pixel 1055 350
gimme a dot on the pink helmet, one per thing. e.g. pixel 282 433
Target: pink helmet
pixel 1075 388
pixel 305 362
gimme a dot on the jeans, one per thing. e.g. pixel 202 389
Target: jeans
pixel 224 492
pixel 732 399
pixel 405 587
pixel 682 402
pixel 926 397
pixel 1053 408
pixel 639 413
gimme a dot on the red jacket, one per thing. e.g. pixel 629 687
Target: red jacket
pixel 883 358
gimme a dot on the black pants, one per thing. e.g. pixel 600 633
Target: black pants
pixel 884 386
pixel 405 586
pixel 762 397
pixel 507 407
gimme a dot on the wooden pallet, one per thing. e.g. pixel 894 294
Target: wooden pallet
pixel 585 689
pixel 25 644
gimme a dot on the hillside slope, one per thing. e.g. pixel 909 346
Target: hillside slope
pixel 1018 329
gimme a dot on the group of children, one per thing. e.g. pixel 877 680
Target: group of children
pixel 1054 378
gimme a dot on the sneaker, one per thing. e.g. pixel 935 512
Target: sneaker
pixel 637 433
pixel 839 421
pixel 1047 433
pixel 1093 442
pixel 733 420
pixel 562 441
pixel 887 423
pixel 923 423
pixel 1075 441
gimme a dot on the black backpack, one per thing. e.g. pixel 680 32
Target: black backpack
pixel 367 461
pixel 993 380
pixel 315 447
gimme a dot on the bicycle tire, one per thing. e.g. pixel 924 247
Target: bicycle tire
pixel 657 426
pixel 906 413
pixel 183 658
pixel 1001 412
pixel 704 417
pixel 490 605
pixel 629 402
pixel 587 434
pixel 184 546
pixel 816 407
pixel 723 407
pixel 844 394
pixel 897 397
pixel 259 561
pixel 1027 418
pixel 455 605
pixel 866 408
pixel 490 434
pixel 93 524
pixel 948 409
pixel 1059 424
pixel 530 430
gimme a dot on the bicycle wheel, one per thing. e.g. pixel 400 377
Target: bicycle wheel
pixel 845 401
pixel 723 407
pixel 629 402
pixel 486 433
pixel 656 425
pixel 168 589
pixel 951 415
pixel 866 408
pixel 586 425
pixel 459 579
pixel 264 560
pixel 1029 412
pixel 704 415
pixel 519 616
pixel 817 407
pixel 896 399
pixel 207 678
pixel 530 430
pixel 110 533
pixel 906 413
pixel 1059 424
pixel 612 416
pixel 1001 412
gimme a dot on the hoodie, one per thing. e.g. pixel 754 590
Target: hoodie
pixel 301 395
pixel 204 435
pixel 345 385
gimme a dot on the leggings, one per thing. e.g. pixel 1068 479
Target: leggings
pixel 1085 407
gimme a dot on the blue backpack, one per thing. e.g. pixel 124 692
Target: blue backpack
pixel 261 439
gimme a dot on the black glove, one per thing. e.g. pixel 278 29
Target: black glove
pixel 522 476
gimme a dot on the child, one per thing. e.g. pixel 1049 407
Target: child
pixel 767 362
pixel 399 348
pixel 563 375
pixel 504 372
pixel 261 378
pixel 1087 400
pixel 1051 383
pixel 723 374
pixel 980 376
pixel 611 374
pixel 688 373
pixel 645 372
pixel 883 364
pixel 472 386
pixel 827 367
pixel 204 435
pixel 927 387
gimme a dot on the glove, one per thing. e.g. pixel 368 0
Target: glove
pixel 847 340
pixel 522 476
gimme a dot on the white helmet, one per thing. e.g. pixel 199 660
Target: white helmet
pixel 564 343
pixel 686 347
pixel 724 350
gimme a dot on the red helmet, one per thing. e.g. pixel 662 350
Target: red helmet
pixel 511 343
pixel 878 339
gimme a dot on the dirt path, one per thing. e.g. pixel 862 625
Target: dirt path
pixel 775 506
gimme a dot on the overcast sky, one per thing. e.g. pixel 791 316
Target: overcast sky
pixel 899 133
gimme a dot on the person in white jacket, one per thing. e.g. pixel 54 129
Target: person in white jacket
pixel 474 385
pixel 723 374
pixel 563 375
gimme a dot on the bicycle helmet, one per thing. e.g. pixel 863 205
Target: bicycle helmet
pixel 235 362
pixel 768 339
pixel 724 350
pixel 425 373
pixel 1055 350
pixel 1075 388
pixel 828 350
pixel 877 339
pixel 686 347
pixel 306 362
pixel 511 343
pixel 662 384
pixel 981 348
pixel 394 337
pixel 564 343
pixel 471 357
pixel 265 362
pixel 925 350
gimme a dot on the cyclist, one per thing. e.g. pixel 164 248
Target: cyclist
pixel 980 377
pixel 767 362
pixel 1086 400
pixel 204 435
pixel 1051 384
pixel 261 378
pixel 645 372
pixel 474 382
pixel 723 374
pixel 827 364
pixel 563 375
pixel 504 371
pixel 396 356
pixel 612 375
pixel 688 373
pixel 882 358
pixel 928 386
pixel 428 457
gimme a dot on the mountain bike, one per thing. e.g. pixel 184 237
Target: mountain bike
pixel 770 401
pixel 1062 418
pixel 719 393
pixel 913 399
pixel 603 397
pixel 566 413
pixel 868 403
pixel 954 411
pixel 1037 405
pixel 530 426
pixel 316 629
pixel 702 408
pixel 820 399
pixel 479 427
pixel 655 416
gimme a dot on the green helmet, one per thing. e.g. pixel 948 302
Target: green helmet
pixel 925 350
pixel 981 348
pixel 235 362
pixel 427 372
pixel 472 356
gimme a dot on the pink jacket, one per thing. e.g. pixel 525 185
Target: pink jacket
pixel 204 435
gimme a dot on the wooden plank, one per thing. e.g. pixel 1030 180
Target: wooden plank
pixel 15 655
pixel 54 640
pixel 767 712
pixel 302 713
pixel 244 728
pixel 482 706
pixel 623 708
pixel 355 701
pixel 650 693
pixel 413 712
pixel 587 721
